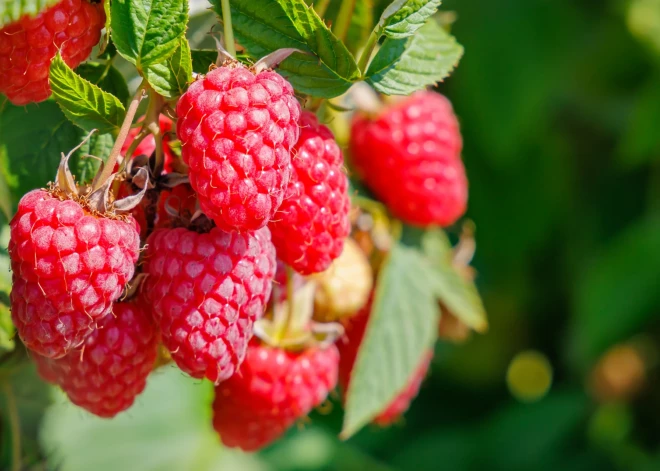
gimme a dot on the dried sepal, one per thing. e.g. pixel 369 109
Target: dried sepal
pixel 64 178
pixel 141 180
pixel 273 59
pixel 173 179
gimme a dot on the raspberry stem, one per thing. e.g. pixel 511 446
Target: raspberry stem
pixel 229 32
pixel 321 7
pixel 340 28
pixel 368 50
pixel 282 326
pixel 110 163
pixel 151 123
pixel 15 426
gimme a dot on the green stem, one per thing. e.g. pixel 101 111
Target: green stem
pixel 110 163
pixel 134 145
pixel 340 28
pixel 151 123
pixel 229 32
pixel 283 328
pixel 15 428
pixel 321 7
pixel 368 50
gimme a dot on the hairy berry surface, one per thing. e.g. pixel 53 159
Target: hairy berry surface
pixel 410 157
pixel 28 46
pixel 107 374
pixel 207 290
pixel 273 389
pixel 312 223
pixel 68 267
pixel 237 129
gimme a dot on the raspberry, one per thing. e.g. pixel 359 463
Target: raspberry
pixel 409 156
pixel 312 223
pixel 28 46
pixel 237 129
pixel 273 389
pixel 68 267
pixel 207 290
pixel 348 350
pixel 112 368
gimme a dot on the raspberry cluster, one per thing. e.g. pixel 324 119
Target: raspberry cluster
pixel 244 232
pixel 27 47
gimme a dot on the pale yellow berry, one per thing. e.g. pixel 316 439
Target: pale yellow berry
pixel 344 287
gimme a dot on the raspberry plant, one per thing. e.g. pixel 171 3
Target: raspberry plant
pixel 195 163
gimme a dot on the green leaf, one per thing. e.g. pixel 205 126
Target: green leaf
pixel 107 77
pixel 32 139
pixel 617 293
pixel 7 330
pixel 171 78
pixel 403 66
pixel 458 295
pixel 13 10
pixel 84 103
pixel 202 59
pixel 85 167
pixel 403 18
pixel 402 327
pixel 327 70
pixel 147 32
pixel 168 428
pixel 5 198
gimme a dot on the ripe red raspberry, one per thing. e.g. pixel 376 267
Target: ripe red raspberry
pixel 410 157
pixel 28 46
pixel 237 129
pixel 312 223
pixel 68 267
pixel 207 290
pixel 348 350
pixel 273 389
pixel 112 367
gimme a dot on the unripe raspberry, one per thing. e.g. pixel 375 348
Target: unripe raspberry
pixel 237 129
pixel 111 369
pixel 28 46
pixel 273 389
pixel 344 288
pixel 207 290
pixel 68 267
pixel 348 351
pixel 312 223
pixel 410 157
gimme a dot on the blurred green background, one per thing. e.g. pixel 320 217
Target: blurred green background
pixel 559 102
